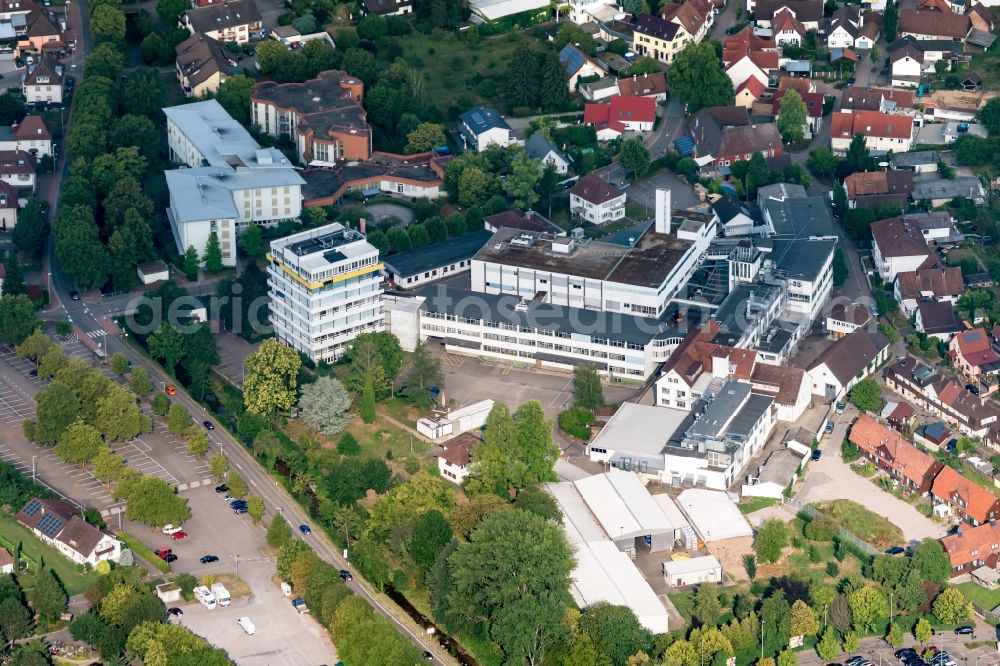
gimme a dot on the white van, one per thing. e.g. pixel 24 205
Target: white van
pixel 205 596
pixel 247 625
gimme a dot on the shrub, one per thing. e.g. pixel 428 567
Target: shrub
pixel 820 528
pixel 348 445
pixel 832 569
pixel 575 421
pixel 849 451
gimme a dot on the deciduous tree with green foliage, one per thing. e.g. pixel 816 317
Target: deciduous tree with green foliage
pixel 17 319
pixel 79 443
pixel 867 396
pixel 197 441
pixel 218 465
pixel 57 408
pixel 923 631
pixel 792 116
pixel 525 173
pixel 696 78
pixel 706 608
pixel 828 645
pixel 588 392
pixel 822 161
pixel 804 621
pixel 427 136
pixel 772 537
pixel 178 419
pixel 951 607
pixel 424 373
pixel 324 405
pixel 237 486
pixel 868 607
pixel 255 507
pixel 271 378
pixel 278 532
pixel 431 533
pixel 48 597
pixel 166 345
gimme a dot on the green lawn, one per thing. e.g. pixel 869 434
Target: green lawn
pixel 450 67
pixel 12 533
pixel 865 524
pixel 979 595
pixel 756 504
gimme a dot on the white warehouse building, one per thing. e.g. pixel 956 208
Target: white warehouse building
pixel 324 288
pixel 230 182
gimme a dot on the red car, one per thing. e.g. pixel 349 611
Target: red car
pixel 171 390
pixel 176 536
pixel 163 553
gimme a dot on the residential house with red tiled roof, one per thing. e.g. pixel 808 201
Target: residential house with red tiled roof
pixel 965 498
pixel 746 55
pixel 973 547
pixel 648 85
pixel 973 354
pixel 787 29
pixel 892 454
pixel 620 115
pixel 814 110
pixel 883 132
pixel 935 282
pixel 873 189
pixel 749 92
pixel 808 12
pixel 933 25
pixel 694 16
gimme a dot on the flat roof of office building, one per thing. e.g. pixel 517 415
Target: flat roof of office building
pixel 439 254
pixel 647 263
pixel 713 515
pixel 640 429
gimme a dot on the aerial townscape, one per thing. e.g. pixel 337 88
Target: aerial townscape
pixel 499 332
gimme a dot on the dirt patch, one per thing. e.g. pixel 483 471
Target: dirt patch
pixel 730 554
pixel 960 99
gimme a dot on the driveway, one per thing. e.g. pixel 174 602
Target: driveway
pixel 831 478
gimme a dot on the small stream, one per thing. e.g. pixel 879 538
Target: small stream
pixel 443 639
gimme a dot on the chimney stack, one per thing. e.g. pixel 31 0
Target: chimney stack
pixel 361 225
pixel 662 211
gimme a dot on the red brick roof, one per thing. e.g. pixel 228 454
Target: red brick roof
pixel 643 86
pixel 871 123
pixel 458 450
pixel 971 544
pixel 933 23
pixel 897 238
pixel 978 503
pixel 32 128
pixel 894 451
pixel 940 282
pixel 753 85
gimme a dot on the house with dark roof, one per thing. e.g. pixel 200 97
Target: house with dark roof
pixel 933 25
pixel 386 7
pixel 454 457
pixel 942 395
pixel 883 100
pixel 525 220
pixel 203 64
pixel 845 25
pixel 596 201
pixel 545 151
pixel 648 85
pixel 933 281
pixel 482 126
pixel 720 136
pixel 933 436
pixel 17 169
pixel 873 189
pixel 31 135
pixel 57 524
pixel 973 354
pixel 807 12
pixel 41 35
pixel 964 498
pixel 42 82
pixel 735 218
pixel 658 38
pixel 843 319
pixel 577 65
pixel 445 258
pixel 892 454
pixel 898 245
pixel 936 319
pixel 228 21
pixel 846 362
pixel 419 176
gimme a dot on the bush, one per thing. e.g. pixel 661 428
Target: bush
pixel 849 451
pixel 348 445
pixel 832 569
pixel 820 528
pixel 576 422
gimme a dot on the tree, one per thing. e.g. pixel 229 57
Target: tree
pixel 522 78
pixel 79 443
pixel 588 391
pixel 166 344
pixel 634 156
pixel 475 185
pixel 255 507
pixel 178 419
pixel 30 231
pixel 324 405
pixel 271 378
pixel 822 161
pixel 828 645
pixel 169 10
pixel 107 465
pixel 17 319
pixel 840 269
pixel 890 21
pixel 536 451
pixel 851 642
pixel 772 537
pixel 15 620
pixel 511 555
pixel 776 617
pixel 11 109
pixel 278 532
pixel 13 281
pixel 57 408
pixel 525 173
pixel 750 565
pixel 197 442
pixel 431 533
pixel 161 403
pixel 425 373
pixel 152 501
pixel 237 486
pixel 951 607
pixel 706 607
pixel 140 383
pixel 804 621
pixel 868 606
pixel 107 23
pixel 931 562
pixel 858 156
pixel 792 117
pixel 48 597
pixel 234 96
pixel 867 396
pixel 213 254
pixel 427 136
pixel 218 465
pixel 895 636
pixel 696 77
pixel 367 405
pixel 922 631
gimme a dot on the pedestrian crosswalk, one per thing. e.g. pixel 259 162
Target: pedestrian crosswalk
pixel 97 334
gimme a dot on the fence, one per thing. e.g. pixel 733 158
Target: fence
pixel 849 537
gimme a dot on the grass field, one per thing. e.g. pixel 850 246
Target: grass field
pixel 865 524
pixel 14 533
pixel 450 67
pixel 979 595
pixel 756 504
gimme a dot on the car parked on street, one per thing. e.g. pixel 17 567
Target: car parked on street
pixel 171 529
pixel 816 454
pixel 895 550
pixel 965 630
pixel 175 611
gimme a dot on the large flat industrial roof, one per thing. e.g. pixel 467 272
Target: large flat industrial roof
pixel 713 515
pixel 639 429
pixel 647 263
pixel 580 524
pixel 622 505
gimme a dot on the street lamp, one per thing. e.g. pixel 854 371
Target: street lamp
pixel 236 556
pixel 33 458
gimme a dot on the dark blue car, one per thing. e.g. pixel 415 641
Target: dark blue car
pixel 305 529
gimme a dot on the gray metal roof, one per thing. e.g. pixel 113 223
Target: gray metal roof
pixel 480 119
pixel 538 147
pixel 206 193
pixel 721 410
pixel 220 139
pixel 436 255
pixel 802 259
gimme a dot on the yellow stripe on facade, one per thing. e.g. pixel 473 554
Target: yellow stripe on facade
pixel 336 278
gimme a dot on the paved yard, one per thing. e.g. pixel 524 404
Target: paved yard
pixel 831 478
pixel 233 350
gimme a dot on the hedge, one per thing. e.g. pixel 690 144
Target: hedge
pixel 140 549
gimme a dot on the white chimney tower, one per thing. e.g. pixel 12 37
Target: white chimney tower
pixel 663 211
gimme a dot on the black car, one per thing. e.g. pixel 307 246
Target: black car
pixel 208 425
pixel 816 454
pixel 965 630
pixel 854 661
pixel 75 295
pixel 972 388
pixel 345 575
pixel 170 558
pixel 33 373
pixel 895 550
pixel 850 81
pixel 175 611
pixel 221 488
pixel 905 652
pixel 208 559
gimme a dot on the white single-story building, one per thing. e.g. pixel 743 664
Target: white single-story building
pixel 454 457
pixel 153 271
pixel 692 571
pixel 713 515
pixel 463 419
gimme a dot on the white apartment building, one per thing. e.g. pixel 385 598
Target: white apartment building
pixel 324 287
pixel 596 201
pixel 231 181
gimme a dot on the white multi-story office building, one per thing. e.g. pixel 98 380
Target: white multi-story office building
pixel 231 181
pixel 324 287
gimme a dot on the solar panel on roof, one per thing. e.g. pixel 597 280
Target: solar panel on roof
pixel 50 525
pixel 34 506
pixel 684 145
pixel 572 59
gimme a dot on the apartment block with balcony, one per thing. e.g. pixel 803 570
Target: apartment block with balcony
pixel 324 289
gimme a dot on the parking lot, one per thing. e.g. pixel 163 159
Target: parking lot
pixel 283 637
